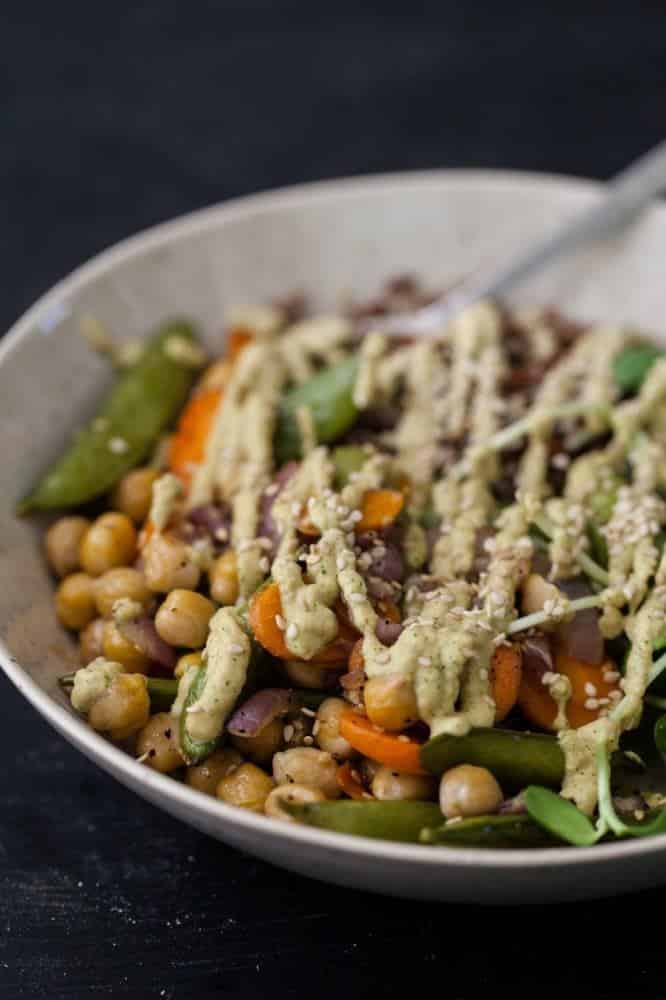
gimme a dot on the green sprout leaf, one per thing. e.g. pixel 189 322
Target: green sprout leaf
pixel 632 365
pixel 560 817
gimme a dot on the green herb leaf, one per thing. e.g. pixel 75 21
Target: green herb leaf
pixel 632 365
pixel 559 817
pixel 660 735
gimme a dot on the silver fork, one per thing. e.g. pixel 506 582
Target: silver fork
pixel 627 194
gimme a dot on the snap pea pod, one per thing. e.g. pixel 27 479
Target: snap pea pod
pixel 488 831
pixel 328 396
pixel 516 759
pixel 162 691
pixel 381 820
pixel 194 751
pixel 141 404
pixel 632 364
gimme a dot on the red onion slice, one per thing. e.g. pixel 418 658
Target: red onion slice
pixel 581 637
pixel 258 711
pixel 143 634
pixel 537 655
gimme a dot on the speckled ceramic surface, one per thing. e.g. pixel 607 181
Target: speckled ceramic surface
pixel 328 238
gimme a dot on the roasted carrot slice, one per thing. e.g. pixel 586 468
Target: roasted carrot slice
pixel 188 445
pixel 348 781
pixel 399 752
pixel 588 687
pixel 505 675
pixel 266 611
pixel 379 508
pixel 237 340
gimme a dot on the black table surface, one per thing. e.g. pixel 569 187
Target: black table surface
pixel 118 116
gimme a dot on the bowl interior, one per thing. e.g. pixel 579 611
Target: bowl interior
pixel 329 240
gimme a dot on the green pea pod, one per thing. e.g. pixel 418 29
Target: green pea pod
pixel 631 365
pixel 161 690
pixel 141 404
pixel 381 820
pixel 194 751
pixel 488 831
pixel 348 458
pixel 328 396
pixel 516 759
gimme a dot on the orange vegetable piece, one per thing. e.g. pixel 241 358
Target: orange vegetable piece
pixel 266 605
pixel 540 709
pixel 396 751
pixel 379 508
pixel 506 671
pixel 348 781
pixel 188 444
pixel 237 340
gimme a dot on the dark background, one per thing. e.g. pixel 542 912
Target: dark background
pixel 117 116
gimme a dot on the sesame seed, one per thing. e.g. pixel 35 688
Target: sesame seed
pixel 590 690
pixel 235 648
pixel 356 516
pixel 341 562
pixel 424 661
pixel 118 445
pixel 331 503
pixel 264 564
pixel 222 535
pixel 610 676
pixel 280 622
pixel 357 598
pixel 308 711
pixel 615 695
pixel 288 732
pixel 296 509
pixel 316 727
pixel 308 741
pixel 292 630
pixel 591 704
pixel 271 490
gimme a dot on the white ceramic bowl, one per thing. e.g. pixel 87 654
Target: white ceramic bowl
pixel 326 238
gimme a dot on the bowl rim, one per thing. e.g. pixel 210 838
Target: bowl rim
pixel 116 761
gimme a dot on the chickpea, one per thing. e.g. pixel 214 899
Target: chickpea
pixel 536 591
pixel 116 647
pixel 247 787
pixel 159 740
pixel 260 748
pixel 205 777
pixel 167 564
pixel 307 766
pixel 223 578
pixel 123 581
pixel 123 709
pixel 75 601
pixel 327 729
pixel 390 701
pixel 290 795
pixel 182 620
pixel 388 784
pixel 91 641
pixel 134 493
pixel 109 541
pixel 187 660
pixel 469 791
pixel 308 675
pixel 62 544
